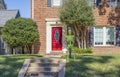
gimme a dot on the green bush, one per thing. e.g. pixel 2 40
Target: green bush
pixel 80 51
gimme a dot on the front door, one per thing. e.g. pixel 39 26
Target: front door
pixel 56 38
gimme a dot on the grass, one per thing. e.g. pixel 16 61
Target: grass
pixel 11 64
pixel 94 66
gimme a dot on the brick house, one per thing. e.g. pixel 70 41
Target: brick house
pixel 104 36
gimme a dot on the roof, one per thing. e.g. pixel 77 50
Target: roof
pixel 6 15
pixel 2 4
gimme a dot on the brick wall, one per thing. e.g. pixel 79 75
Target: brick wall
pixel 101 20
pixel 41 12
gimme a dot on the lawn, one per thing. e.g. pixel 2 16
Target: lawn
pixel 11 64
pixel 94 66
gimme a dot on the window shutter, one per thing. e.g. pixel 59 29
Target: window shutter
pixel 98 3
pixel 91 36
pixel 118 35
pixel 49 3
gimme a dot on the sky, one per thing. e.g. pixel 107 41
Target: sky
pixel 22 5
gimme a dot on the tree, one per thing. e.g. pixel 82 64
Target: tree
pixel 80 15
pixel 20 32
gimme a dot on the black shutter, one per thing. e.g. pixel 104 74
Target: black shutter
pixel 49 2
pixel 98 3
pixel 118 35
pixel 91 36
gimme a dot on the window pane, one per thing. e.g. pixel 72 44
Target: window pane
pixel 109 36
pixel 91 3
pixel 98 36
pixel 56 2
pixel 118 2
pixel 113 3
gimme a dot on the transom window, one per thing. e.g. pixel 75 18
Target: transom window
pixel 103 36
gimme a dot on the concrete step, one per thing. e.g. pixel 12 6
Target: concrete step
pixel 28 74
pixel 38 75
pixel 45 60
pixel 56 53
pixel 41 69
pixel 43 65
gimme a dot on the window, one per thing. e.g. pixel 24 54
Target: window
pixel 56 2
pixel 98 36
pixel 97 3
pixel 109 35
pixel 91 3
pixel 113 3
pixel 103 36
pixel 94 3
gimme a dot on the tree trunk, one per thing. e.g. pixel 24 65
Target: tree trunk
pixel 32 49
pixel 81 36
pixel 78 36
pixel 23 50
pixel 12 51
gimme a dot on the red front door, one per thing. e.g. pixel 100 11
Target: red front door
pixel 56 38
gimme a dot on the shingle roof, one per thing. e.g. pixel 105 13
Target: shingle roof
pixel 6 15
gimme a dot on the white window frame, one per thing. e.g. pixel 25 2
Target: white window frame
pixel 104 37
pixel 56 5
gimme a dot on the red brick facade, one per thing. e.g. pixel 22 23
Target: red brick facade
pixel 40 12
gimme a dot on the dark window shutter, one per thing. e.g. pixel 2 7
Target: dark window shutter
pixel 98 3
pixel 49 2
pixel 118 35
pixel 91 36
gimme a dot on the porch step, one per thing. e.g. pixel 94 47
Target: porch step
pixel 43 67
pixel 106 50
pixel 46 73
pixel 55 54
pixel 45 60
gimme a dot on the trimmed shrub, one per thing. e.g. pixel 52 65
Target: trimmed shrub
pixel 80 51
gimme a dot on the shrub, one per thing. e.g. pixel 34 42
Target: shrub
pixel 80 51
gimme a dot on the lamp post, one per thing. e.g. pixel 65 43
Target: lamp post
pixel 70 41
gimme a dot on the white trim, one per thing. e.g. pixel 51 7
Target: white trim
pixel 24 68
pixel 52 19
pixel 48 35
pixel 32 11
pixel 104 36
